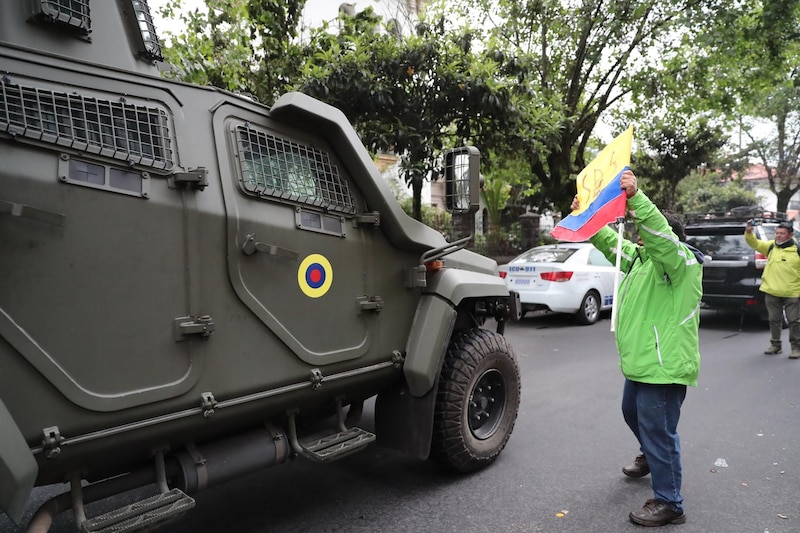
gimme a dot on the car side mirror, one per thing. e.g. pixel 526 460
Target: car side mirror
pixel 462 180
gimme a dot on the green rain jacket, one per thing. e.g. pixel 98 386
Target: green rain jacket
pixel 658 312
pixel 781 276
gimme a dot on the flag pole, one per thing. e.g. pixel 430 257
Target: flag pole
pixel 620 226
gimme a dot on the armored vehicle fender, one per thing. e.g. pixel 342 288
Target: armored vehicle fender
pixel 17 465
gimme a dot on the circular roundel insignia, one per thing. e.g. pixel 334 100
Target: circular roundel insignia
pixel 315 275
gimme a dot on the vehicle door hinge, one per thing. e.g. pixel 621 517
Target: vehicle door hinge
pixel 370 303
pixel 415 277
pixel 373 218
pixel 51 442
pixel 183 327
pixel 208 403
pixel 194 178
pixel 316 378
pixel 398 358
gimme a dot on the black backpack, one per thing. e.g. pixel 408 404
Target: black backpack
pixel 771 246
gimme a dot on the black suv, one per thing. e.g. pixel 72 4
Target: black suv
pixel 732 270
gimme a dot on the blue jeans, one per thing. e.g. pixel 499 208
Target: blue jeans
pixel 652 413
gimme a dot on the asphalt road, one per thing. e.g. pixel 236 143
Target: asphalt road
pixel 561 469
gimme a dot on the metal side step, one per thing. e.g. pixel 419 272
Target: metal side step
pixel 336 446
pixel 142 515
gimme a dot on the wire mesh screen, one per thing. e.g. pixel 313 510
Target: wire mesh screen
pixel 73 13
pixel 134 133
pixel 280 168
pixel 152 46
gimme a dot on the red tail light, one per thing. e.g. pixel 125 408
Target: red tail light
pixel 556 276
pixel 761 260
pixel 503 274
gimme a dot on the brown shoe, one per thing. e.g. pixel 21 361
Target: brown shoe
pixel 657 513
pixel 774 349
pixel 638 468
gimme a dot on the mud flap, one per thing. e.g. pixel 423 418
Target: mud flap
pixel 404 422
pixel 18 468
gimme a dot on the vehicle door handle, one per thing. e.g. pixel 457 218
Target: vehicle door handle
pixel 31 213
pixel 251 246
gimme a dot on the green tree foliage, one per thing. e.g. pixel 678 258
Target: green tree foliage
pixel 506 182
pixel 581 57
pixel 746 67
pixel 417 94
pixel 437 218
pixel 671 153
pixel 710 192
pixel 244 46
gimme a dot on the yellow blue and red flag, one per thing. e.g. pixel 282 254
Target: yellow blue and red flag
pixel 601 199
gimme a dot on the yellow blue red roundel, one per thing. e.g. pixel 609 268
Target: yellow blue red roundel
pixel 315 275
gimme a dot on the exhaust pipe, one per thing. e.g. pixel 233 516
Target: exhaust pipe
pixel 190 470
pixel 217 462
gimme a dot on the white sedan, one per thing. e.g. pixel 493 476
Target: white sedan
pixel 570 278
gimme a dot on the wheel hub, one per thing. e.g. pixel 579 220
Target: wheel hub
pixel 486 404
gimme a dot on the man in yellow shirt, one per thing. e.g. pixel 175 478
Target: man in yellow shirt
pixel 780 283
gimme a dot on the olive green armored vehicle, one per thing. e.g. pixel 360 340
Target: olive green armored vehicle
pixel 194 286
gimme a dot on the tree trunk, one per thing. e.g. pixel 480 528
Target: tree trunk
pixel 416 189
pixel 784 195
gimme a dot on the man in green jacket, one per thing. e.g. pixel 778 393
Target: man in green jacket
pixel 658 315
pixel 780 284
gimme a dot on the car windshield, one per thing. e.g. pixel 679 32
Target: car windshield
pixel 546 255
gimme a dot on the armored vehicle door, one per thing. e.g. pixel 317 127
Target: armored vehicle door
pixel 299 246
pixel 95 230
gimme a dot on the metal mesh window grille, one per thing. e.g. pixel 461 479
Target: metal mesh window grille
pixel 133 133
pixel 280 168
pixel 152 46
pixel 70 12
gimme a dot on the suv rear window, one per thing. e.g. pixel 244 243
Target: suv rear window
pixel 727 240
pixel 719 243
pixel 546 255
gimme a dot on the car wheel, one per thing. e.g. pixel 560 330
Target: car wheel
pixel 589 311
pixel 477 401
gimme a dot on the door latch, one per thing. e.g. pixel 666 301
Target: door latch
pixel 186 326
pixel 51 442
pixel 195 178
pixel 370 303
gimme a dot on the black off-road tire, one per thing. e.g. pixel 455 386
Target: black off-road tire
pixel 589 312
pixel 477 401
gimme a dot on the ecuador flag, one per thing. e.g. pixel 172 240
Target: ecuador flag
pixel 599 193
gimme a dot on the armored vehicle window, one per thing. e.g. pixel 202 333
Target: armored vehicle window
pixel 133 133
pixel 275 167
pixel 150 43
pixel 124 181
pixel 69 13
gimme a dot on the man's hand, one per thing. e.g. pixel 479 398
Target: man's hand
pixel 748 228
pixel 627 182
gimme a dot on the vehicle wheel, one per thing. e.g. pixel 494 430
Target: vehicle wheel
pixel 589 311
pixel 477 401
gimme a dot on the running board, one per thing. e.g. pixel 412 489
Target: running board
pixel 336 446
pixel 142 515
